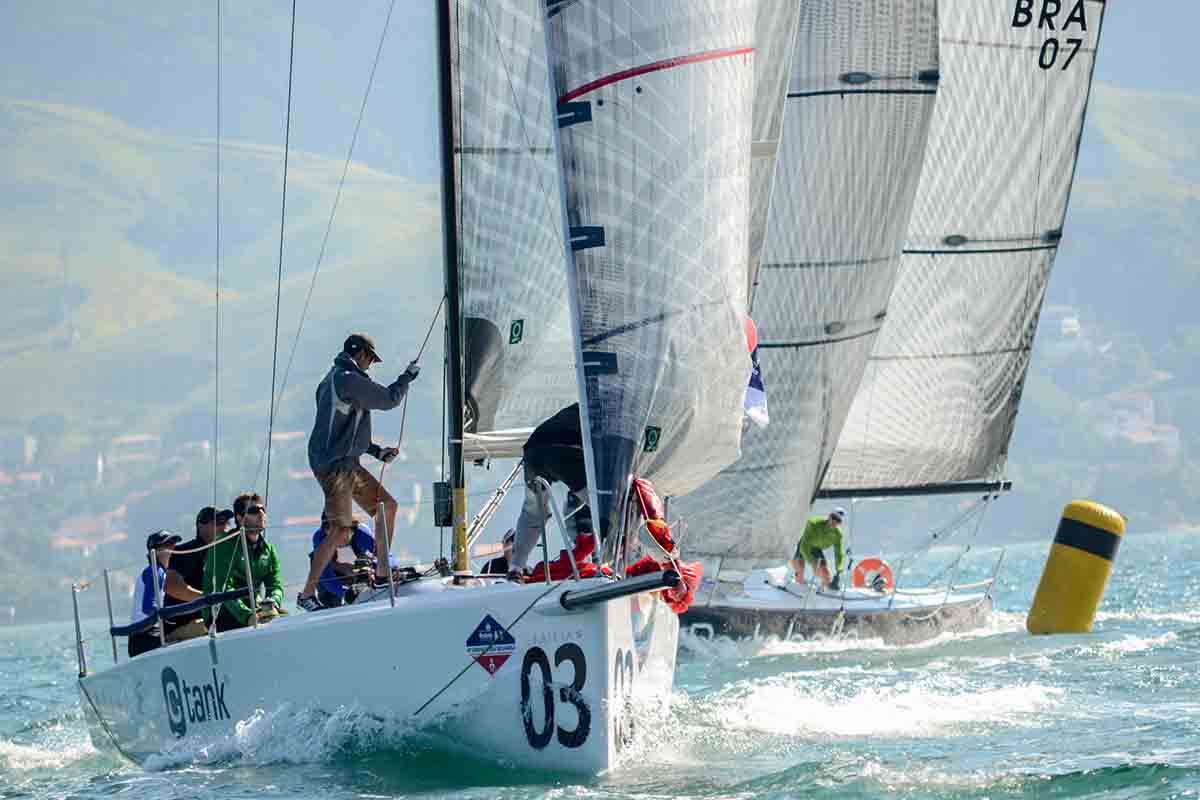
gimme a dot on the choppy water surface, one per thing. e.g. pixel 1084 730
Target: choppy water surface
pixel 990 714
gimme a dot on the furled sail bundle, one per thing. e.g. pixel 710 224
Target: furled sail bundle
pixel 518 360
pixel 939 400
pixel 654 112
pixel 856 120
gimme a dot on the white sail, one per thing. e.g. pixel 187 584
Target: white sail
pixel 939 400
pixel 774 38
pixel 655 102
pixel 516 339
pixel 860 98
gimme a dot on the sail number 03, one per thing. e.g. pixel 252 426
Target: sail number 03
pixel 539 732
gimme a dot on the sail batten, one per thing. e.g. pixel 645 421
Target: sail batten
pixel 939 399
pixel 858 101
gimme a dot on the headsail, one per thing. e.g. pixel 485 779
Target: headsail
pixel 517 341
pixel 939 400
pixel 774 39
pixel 654 103
pixel 860 99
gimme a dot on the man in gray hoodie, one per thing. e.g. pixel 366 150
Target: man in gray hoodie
pixel 341 434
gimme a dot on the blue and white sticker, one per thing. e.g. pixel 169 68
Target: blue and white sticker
pixel 490 644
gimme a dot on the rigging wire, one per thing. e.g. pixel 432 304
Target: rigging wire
pixel 404 406
pixel 217 317
pixel 337 198
pixel 287 135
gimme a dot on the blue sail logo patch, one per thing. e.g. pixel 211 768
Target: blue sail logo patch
pixel 490 644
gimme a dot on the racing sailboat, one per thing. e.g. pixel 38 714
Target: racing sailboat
pixel 937 402
pixel 635 167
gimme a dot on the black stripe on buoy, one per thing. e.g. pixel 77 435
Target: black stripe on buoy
pixel 1087 538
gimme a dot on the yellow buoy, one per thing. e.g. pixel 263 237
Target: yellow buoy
pixel 1077 569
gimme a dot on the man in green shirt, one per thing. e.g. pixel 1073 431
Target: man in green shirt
pixel 820 534
pixel 225 569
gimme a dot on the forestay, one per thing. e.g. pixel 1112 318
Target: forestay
pixel 654 102
pixel 856 122
pixel 517 342
pixel 939 400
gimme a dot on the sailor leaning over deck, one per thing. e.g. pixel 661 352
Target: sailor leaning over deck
pixel 159 547
pixel 188 561
pixel 341 435
pixel 225 568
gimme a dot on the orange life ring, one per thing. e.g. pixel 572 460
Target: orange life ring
pixel 867 570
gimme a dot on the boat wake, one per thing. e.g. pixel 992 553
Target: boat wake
pixel 721 648
pixel 289 735
pixel 50 755
pixel 800 706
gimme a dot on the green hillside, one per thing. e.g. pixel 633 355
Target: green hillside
pixel 108 258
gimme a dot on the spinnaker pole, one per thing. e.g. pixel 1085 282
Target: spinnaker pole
pixel 454 327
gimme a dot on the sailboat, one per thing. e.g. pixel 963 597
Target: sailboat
pixel 948 349
pixel 607 177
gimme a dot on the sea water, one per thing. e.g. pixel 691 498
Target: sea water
pixel 992 713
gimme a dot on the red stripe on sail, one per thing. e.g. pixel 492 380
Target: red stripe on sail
pixel 666 63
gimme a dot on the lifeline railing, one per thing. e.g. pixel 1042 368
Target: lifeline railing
pixel 163 612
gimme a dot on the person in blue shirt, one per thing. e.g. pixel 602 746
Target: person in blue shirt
pixel 170 582
pixel 334 587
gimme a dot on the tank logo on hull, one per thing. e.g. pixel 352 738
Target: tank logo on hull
pixel 490 644
pixel 192 704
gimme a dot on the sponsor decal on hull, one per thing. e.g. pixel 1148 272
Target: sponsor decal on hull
pixel 192 704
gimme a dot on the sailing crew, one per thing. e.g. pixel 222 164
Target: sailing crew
pixel 225 568
pixel 159 546
pixel 334 588
pixel 820 534
pixel 499 564
pixel 188 561
pixel 341 434
pixel 554 452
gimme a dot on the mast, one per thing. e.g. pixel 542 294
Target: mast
pixel 454 327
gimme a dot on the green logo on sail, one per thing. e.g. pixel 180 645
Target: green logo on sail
pixel 516 331
pixel 652 436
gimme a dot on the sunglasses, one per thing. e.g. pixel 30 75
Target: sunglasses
pixel 255 510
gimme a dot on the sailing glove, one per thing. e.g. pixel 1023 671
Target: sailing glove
pixel 413 370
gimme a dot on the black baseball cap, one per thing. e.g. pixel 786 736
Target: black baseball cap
pixel 160 539
pixel 357 342
pixel 209 514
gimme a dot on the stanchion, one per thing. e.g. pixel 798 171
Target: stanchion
pixel 111 623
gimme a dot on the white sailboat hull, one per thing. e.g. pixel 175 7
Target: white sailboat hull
pixel 768 604
pixel 557 698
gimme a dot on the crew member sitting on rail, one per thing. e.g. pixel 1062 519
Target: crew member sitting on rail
pixel 188 561
pixel 335 587
pixel 341 435
pixel 820 534
pixel 554 451
pixel 225 568
pixel 169 581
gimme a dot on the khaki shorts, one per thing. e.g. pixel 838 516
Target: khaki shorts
pixel 343 487
pixel 189 631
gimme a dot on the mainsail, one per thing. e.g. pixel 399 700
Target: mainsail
pixel 939 400
pixel 654 110
pixel 857 115
pixel 517 341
